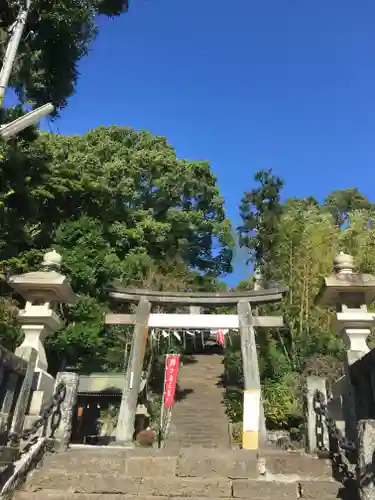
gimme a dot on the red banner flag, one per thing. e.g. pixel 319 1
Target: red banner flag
pixel 220 337
pixel 172 362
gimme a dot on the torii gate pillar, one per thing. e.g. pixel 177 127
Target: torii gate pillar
pixel 253 415
pixel 128 407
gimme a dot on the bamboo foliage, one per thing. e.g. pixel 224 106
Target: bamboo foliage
pixel 307 243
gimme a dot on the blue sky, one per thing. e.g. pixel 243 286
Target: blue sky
pixel 281 84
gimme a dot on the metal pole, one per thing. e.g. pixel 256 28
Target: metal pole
pixel 12 48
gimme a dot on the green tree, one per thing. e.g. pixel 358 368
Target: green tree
pixel 342 202
pixel 57 35
pixel 260 211
pixel 109 202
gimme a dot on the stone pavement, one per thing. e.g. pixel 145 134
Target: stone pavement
pixel 118 474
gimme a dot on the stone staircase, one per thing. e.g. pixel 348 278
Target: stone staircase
pixel 118 474
pixel 198 418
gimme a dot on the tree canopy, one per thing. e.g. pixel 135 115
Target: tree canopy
pixel 109 202
pixel 57 35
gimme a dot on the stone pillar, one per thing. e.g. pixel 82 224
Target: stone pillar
pixel 128 407
pixel 63 432
pixel 315 384
pixel 263 435
pixel 252 388
pixel 366 462
pixel 34 336
pixel 44 382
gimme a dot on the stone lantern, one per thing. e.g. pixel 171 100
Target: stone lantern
pixel 258 279
pixel 350 293
pixel 43 291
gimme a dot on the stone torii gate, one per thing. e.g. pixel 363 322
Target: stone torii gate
pixel 243 320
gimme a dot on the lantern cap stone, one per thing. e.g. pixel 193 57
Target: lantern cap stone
pixel 344 281
pixel 44 286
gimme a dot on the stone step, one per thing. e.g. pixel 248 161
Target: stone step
pixel 202 404
pixel 190 425
pixel 203 439
pixel 202 416
pixel 181 409
pixel 204 399
pixel 204 444
pixel 196 432
pixel 189 422
pixel 204 435
pixel 190 405
pixel 193 462
pixel 195 412
pixel 200 425
pixel 110 487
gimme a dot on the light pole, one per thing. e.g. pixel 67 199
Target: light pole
pixel 11 51
pixel 11 129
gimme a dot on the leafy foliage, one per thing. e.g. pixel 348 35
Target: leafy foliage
pixel 57 35
pixel 294 243
pixel 260 211
pixel 341 203
pixel 109 202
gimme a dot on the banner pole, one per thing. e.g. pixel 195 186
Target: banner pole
pixel 162 404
